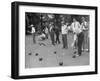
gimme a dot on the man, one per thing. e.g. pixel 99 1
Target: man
pixel 33 33
pixel 84 26
pixel 46 32
pixel 52 33
pixel 64 34
pixel 74 26
pixel 78 36
pixel 57 33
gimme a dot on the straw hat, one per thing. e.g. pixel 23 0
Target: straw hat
pixel 31 25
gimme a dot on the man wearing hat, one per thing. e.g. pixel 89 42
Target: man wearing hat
pixel 33 32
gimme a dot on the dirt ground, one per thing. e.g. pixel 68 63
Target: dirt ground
pixel 37 55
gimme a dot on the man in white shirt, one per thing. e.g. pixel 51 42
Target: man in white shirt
pixel 75 26
pixel 33 33
pixel 64 34
pixel 78 36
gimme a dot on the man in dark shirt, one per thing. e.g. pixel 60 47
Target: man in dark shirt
pixel 52 33
pixel 57 33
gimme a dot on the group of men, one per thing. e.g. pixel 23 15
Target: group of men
pixel 81 37
pixel 80 34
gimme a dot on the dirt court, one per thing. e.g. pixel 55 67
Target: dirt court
pixel 37 55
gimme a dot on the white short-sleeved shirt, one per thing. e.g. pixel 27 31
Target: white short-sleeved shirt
pixel 64 29
pixel 76 27
pixel 33 30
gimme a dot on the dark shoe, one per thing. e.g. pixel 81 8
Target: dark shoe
pixel 63 47
pixel 74 56
pixel 79 54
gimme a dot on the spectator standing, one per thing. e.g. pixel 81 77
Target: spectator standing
pixel 33 33
pixel 46 32
pixel 64 34
pixel 57 33
pixel 78 36
pixel 52 33
pixel 75 26
pixel 84 26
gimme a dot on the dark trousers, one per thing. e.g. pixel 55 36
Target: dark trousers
pixel 80 38
pixel 52 37
pixel 85 42
pixel 64 40
pixel 34 41
pixel 46 35
pixel 75 44
pixel 57 37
